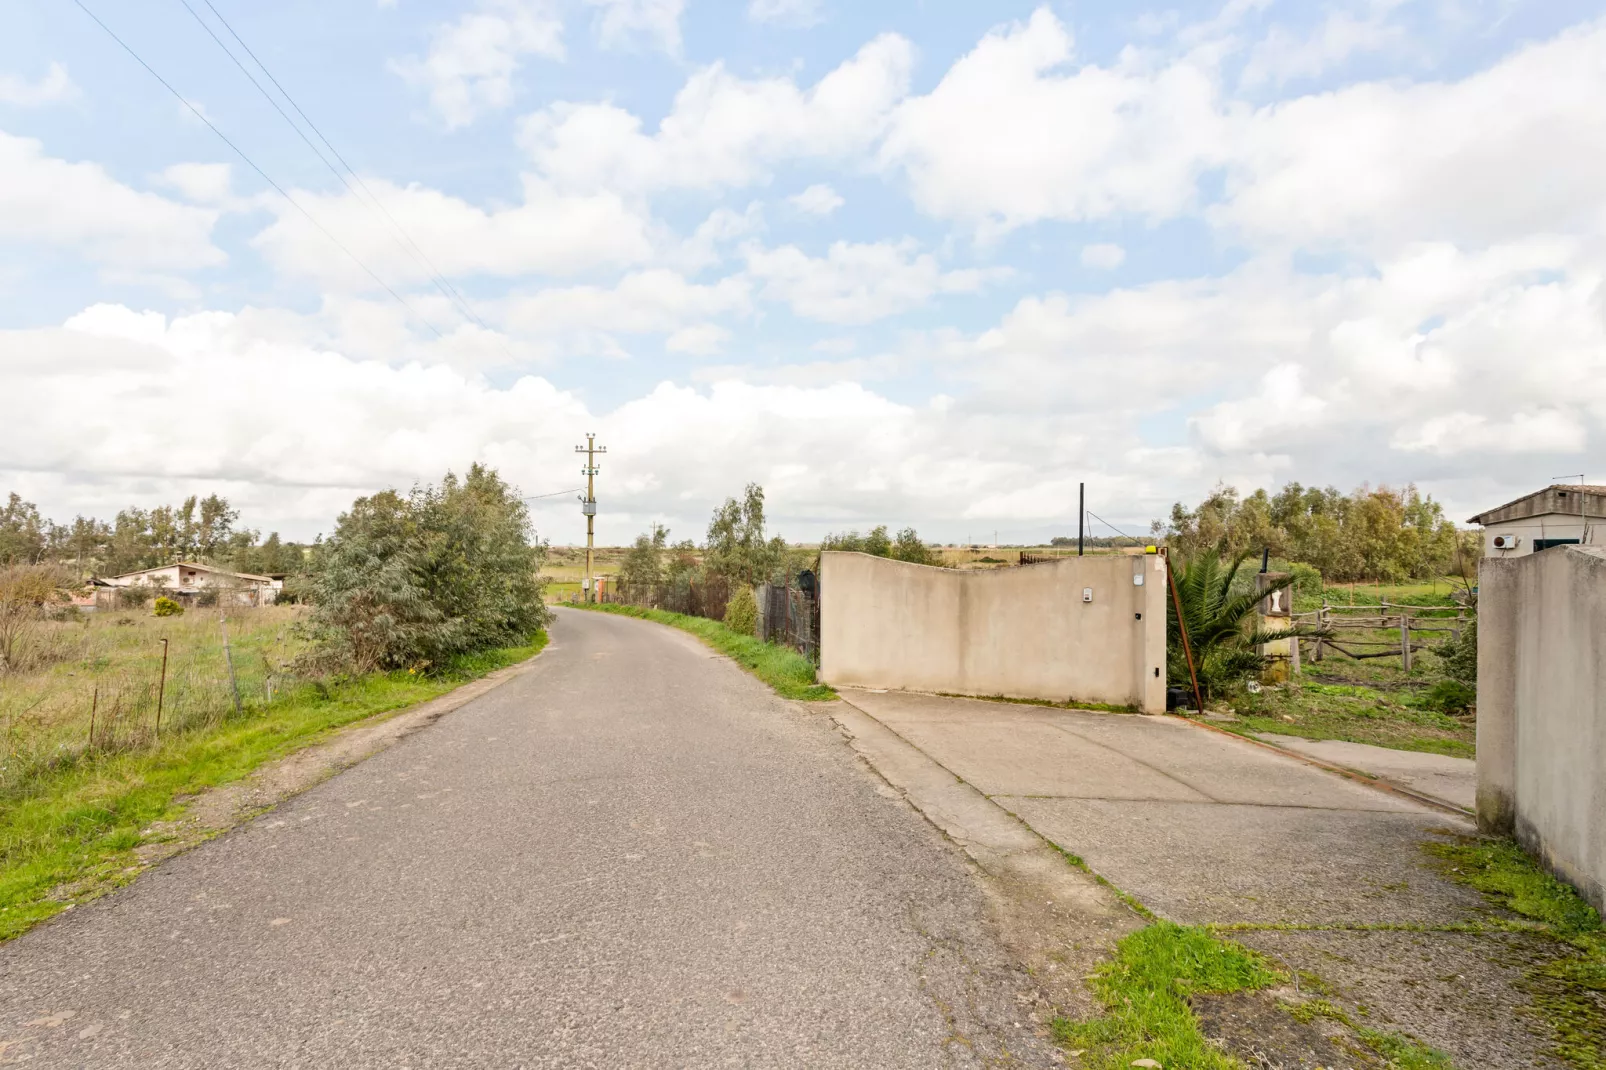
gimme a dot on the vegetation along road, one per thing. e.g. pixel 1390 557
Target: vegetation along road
pixel 632 854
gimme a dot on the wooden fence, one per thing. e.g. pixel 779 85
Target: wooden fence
pixel 1411 623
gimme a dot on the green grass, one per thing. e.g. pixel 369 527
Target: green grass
pixel 784 669
pixel 1312 709
pixel 1569 991
pixel 1145 990
pixel 76 824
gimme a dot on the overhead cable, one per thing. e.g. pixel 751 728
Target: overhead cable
pixel 1111 526
pixel 255 167
pixel 398 232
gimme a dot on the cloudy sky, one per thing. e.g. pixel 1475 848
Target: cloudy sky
pixel 929 262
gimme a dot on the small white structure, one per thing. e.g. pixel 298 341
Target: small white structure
pixel 187 579
pixel 1559 515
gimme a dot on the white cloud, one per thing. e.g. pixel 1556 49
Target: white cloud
pixel 549 233
pixel 658 21
pixel 55 86
pixel 1534 431
pixel 1013 134
pixel 1282 55
pixel 786 12
pixel 854 282
pixel 655 301
pixel 471 62
pixel 701 340
pixel 819 199
pixel 201 183
pixel 1517 149
pixel 78 205
pixel 1105 256
pixel 723 131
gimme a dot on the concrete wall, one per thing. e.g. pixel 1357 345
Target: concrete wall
pixel 1020 632
pixel 1542 709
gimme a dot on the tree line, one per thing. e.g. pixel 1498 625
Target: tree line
pixel 1379 533
pixel 204 530
pixel 737 549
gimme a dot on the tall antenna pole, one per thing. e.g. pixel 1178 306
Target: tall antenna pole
pixel 588 504
pixel 1081 511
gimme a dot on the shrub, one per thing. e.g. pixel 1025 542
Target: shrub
pixel 166 607
pixel 26 592
pixel 741 612
pixel 132 597
pixel 1460 656
pixel 408 581
pixel 1450 696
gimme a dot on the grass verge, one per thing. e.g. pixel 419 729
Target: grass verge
pixel 1569 990
pixel 76 825
pixel 1354 713
pixel 1145 989
pixel 785 670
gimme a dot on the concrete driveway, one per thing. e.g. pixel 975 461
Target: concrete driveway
pixel 1322 872
pixel 633 855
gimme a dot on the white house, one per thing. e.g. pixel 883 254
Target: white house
pixel 1561 513
pixel 189 579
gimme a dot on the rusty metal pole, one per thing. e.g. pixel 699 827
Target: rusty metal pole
pixel 161 692
pixel 1182 626
pixel 94 704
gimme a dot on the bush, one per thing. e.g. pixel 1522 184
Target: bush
pixel 1460 656
pixel 411 582
pixel 166 607
pixel 1451 697
pixel 132 597
pixel 741 612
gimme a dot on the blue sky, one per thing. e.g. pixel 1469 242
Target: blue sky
pixel 930 263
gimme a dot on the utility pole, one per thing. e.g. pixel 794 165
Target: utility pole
pixel 588 504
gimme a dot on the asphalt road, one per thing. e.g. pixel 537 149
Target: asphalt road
pixel 633 855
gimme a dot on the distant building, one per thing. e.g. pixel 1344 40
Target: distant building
pixel 1560 514
pixel 186 580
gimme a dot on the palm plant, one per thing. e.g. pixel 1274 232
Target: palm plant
pixel 1222 631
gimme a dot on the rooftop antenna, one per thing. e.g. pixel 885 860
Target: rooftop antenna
pixel 1583 525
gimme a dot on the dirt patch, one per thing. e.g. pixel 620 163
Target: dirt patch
pixel 1258 1028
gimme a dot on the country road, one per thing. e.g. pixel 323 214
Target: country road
pixel 632 855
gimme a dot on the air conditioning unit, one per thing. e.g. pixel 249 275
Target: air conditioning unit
pixel 1506 542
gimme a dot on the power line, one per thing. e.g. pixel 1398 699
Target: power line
pixel 553 494
pixel 398 232
pixel 254 166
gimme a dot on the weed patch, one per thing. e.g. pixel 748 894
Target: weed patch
pixel 1355 713
pixel 71 830
pixel 782 668
pixel 1569 992
pixel 1145 990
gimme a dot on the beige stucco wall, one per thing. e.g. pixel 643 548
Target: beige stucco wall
pixel 1542 708
pixel 1020 632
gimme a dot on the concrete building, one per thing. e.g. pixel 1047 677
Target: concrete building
pixel 1542 709
pixel 1560 514
pixel 1077 629
pixel 187 580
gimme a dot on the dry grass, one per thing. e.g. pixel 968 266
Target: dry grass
pixel 97 679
